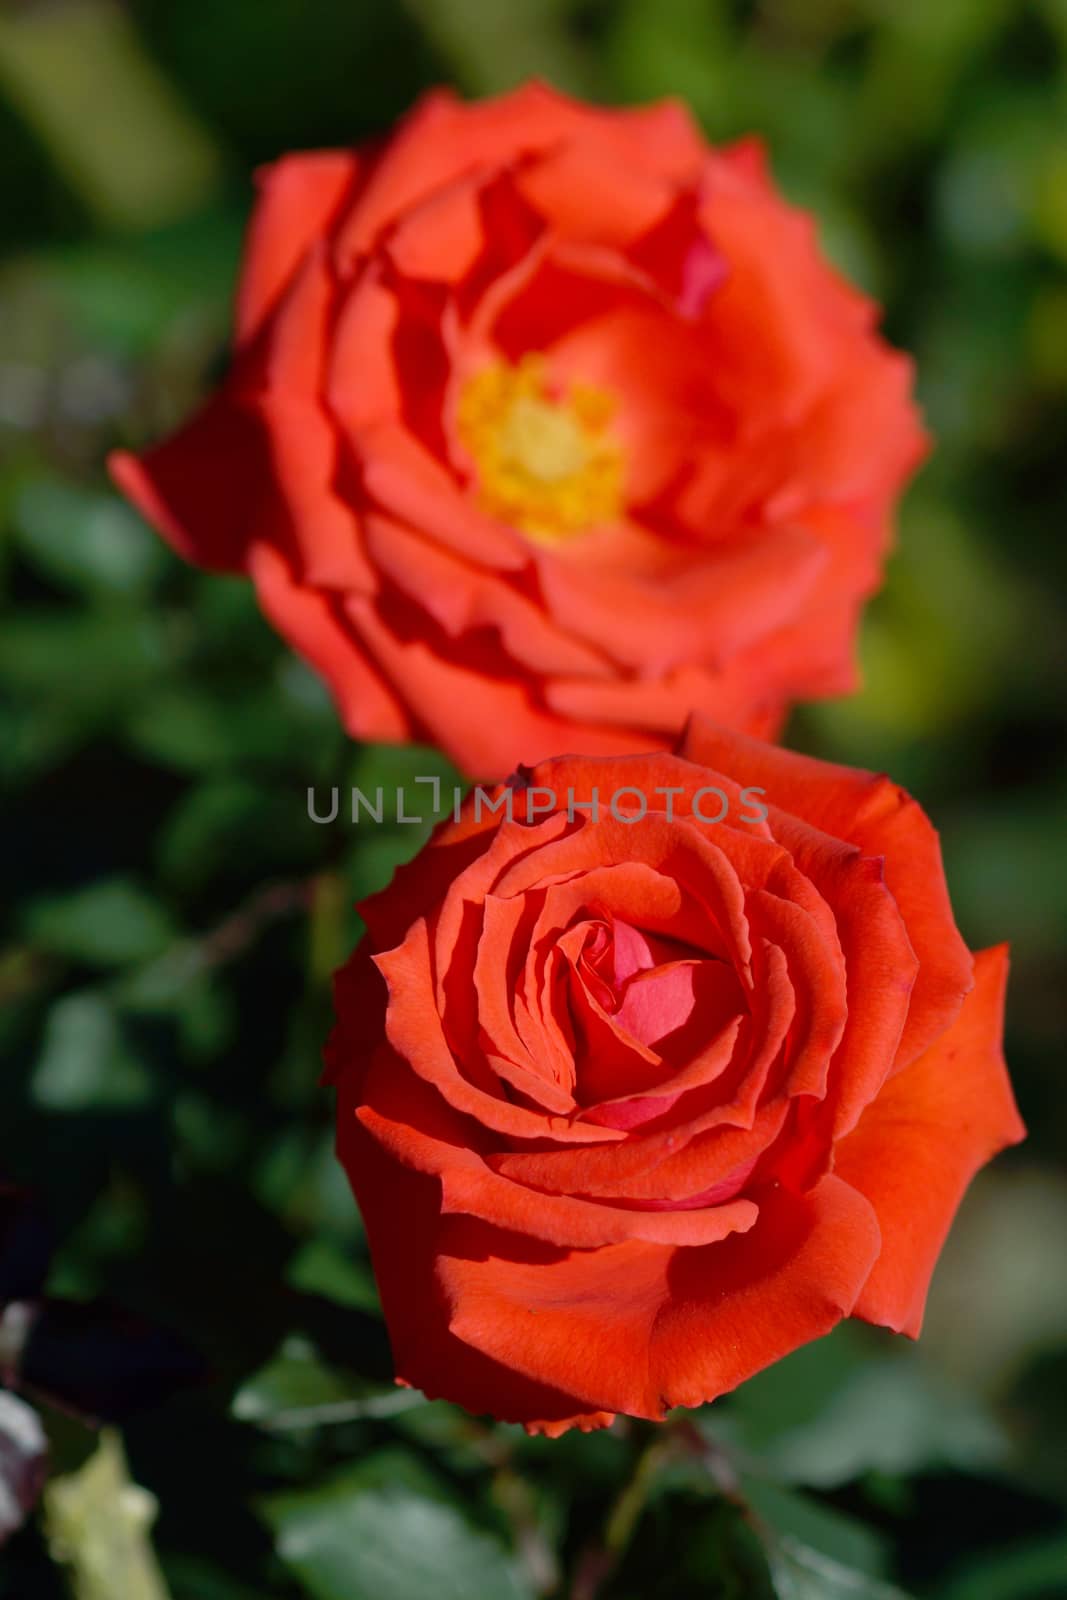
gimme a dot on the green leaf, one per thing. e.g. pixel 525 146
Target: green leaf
pixel 893 1416
pixel 800 1573
pixel 490 48
pixel 302 1180
pixel 182 728
pixel 108 923
pixel 375 859
pixel 229 823
pixel 191 1578
pixel 323 1268
pixel 87 660
pixel 130 298
pixel 209 1137
pixel 1025 1570
pixel 84 1064
pixel 195 728
pixel 295 1380
pixel 89 542
pixel 350 1539
pixel 35 738
pixel 811 1524
pixel 788 1395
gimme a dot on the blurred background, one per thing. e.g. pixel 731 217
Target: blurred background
pixel 173 1211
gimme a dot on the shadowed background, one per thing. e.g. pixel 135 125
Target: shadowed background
pixel 172 915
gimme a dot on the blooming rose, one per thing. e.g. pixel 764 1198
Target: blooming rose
pixel 546 424
pixel 633 1105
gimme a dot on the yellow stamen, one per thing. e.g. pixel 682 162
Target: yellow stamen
pixel 549 464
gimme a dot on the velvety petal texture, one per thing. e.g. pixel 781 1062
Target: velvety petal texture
pixel 546 424
pixel 652 1068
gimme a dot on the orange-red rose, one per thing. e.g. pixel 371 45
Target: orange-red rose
pixel 546 424
pixel 634 1105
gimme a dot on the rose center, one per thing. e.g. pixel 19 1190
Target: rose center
pixel 547 462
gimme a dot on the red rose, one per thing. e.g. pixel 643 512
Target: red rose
pixel 546 425
pixel 634 1105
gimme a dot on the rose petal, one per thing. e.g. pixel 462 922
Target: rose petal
pixel 735 1308
pixel 207 489
pixel 419 1130
pixel 882 820
pixel 463 598
pixel 315 625
pixel 414 1030
pixel 401 1205
pixel 641 1328
pixel 300 198
pixel 918 1146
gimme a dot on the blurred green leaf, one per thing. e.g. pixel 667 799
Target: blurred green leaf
pixel 809 1524
pixel 890 1416
pixel 192 1579
pixel 490 48
pixel 195 729
pixel 173 284
pixel 789 1395
pixel 1032 1569
pixel 803 1574
pixel 1008 869
pixel 89 660
pixel 187 729
pixel 322 1267
pixel 228 828
pixel 301 1178
pixel 294 1380
pixel 982 1324
pixel 211 1136
pixel 684 49
pixel 91 542
pixel 116 1225
pixel 348 1540
pixel 108 923
pixel 206 826
pixel 79 75
pixel 85 1063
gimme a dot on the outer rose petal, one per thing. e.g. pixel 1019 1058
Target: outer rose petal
pixel 399 1204
pixel 444 137
pixel 315 626
pixel 436 685
pixel 882 820
pixel 300 196
pixel 584 189
pixel 462 597
pixel 441 139
pixel 734 1312
pixel 918 1146
pixel 686 617
pixel 421 1133
pixel 644 711
pixel 640 1328
pixel 205 488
